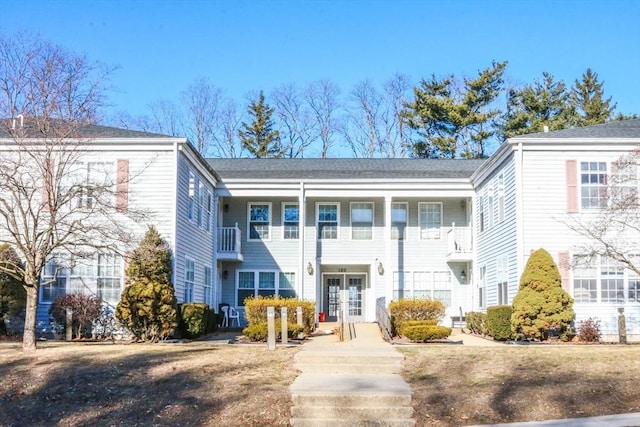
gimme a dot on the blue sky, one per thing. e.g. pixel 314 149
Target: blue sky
pixel 244 46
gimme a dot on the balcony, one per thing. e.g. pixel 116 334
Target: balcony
pixel 459 244
pixel 229 244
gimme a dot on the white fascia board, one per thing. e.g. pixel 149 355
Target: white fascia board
pixel 198 163
pixel 108 144
pixel 551 142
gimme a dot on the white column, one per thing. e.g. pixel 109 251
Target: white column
pixel 302 269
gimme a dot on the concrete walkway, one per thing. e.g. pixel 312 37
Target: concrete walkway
pixel 350 383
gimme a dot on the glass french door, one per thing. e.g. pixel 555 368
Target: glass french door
pixel 344 293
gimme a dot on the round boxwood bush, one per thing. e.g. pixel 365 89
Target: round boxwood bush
pixel 423 333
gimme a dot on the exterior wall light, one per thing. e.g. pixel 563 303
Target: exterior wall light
pixel 463 276
pixel 380 268
pixel 310 269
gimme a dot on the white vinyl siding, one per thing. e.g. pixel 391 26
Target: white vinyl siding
pixel 430 220
pixel 361 220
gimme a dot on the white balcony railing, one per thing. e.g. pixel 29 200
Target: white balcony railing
pixel 229 243
pixel 459 240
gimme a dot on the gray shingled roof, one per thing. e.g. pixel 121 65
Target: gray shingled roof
pixel 343 168
pixel 618 129
pixel 82 131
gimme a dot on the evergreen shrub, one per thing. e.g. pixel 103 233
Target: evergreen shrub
pixel 410 323
pixel 195 319
pixel 13 297
pixel 477 322
pixel 423 333
pixel 541 305
pixel 499 322
pixel 255 310
pixel 404 310
pixel 259 331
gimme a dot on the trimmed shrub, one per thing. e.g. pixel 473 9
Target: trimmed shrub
pixel 194 319
pixel 499 322
pixel 477 322
pixel 87 309
pixel 589 330
pixel 148 310
pixel 423 333
pixel 255 310
pixel 414 309
pixel 410 323
pixel 259 331
pixel 151 259
pixel 541 305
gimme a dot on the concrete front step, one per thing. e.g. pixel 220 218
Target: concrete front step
pixel 352 412
pixel 361 358
pixel 348 368
pixel 336 422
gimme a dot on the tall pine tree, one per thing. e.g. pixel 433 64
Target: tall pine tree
pixel 531 108
pixel 588 97
pixel 259 137
pixel 452 121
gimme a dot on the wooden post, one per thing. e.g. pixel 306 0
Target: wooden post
pixel 69 328
pixel 271 328
pixel 285 324
pixel 622 326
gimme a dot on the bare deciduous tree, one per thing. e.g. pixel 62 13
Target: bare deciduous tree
pixel 225 137
pixel 295 119
pixel 49 201
pixel 322 97
pixel 201 101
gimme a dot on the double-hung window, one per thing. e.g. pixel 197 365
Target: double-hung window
pixel 442 287
pixel 502 267
pixel 430 220
pixel 500 198
pixel 189 279
pixel 611 281
pixel 193 190
pixel 207 288
pixel 109 281
pixel 399 216
pixel 265 283
pixel 482 218
pixel 54 280
pixel 290 221
pixel 328 214
pixel 287 285
pixel 482 283
pixel 259 221
pixel 201 202
pixel 401 284
pixel 361 221
pixel 593 181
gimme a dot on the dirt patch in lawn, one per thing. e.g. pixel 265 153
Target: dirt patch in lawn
pixel 459 385
pixel 194 384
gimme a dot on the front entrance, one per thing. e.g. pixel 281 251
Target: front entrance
pixel 344 293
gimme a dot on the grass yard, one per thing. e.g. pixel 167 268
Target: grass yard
pixel 195 384
pixel 200 384
pixel 457 385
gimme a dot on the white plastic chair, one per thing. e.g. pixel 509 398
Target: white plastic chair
pixel 230 313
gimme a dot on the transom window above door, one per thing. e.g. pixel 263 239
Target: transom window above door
pixel 259 221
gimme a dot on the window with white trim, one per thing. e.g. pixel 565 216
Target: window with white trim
pixel 593 185
pixel 500 197
pixel 255 283
pixel 401 284
pixel 611 281
pixel 109 279
pixel 290 221
pixel 442 287
pixel 481 221
pixel 600 279
pixel 208 208
pixel 361 220
pixel 482 283
pixel 399 217
pixel 192 196
pixel 430 220
pixel 422 281
pixel 502 274
pixel 189 279
pixel 207 286
pixel 100 184
pixel 490 210
pixel 259 218
pixel 328 215
pixel 585 280
pixel 633 283
pixel 201 202
pixel 54 279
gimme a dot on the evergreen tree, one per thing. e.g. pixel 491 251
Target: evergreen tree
pixel 588 97
pixel 151 259
pixel 13 297
pixel 541 304
pixel 452 121
pixel 259 137
pixel 147 305
pixel 546 103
